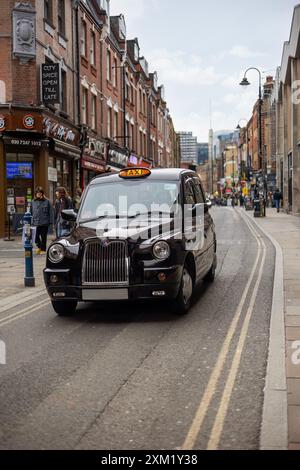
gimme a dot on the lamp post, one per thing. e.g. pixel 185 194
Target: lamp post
pixel 245 82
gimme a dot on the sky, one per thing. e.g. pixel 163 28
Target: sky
pixel 201 50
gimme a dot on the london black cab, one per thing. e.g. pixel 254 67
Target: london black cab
pixel 139 234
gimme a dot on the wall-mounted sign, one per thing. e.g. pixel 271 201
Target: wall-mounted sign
pixel 117 158
pixel 23 142
pixel 52 174
pixel 2 123
pixel 50 78
pixel 29 121
pixel 58 131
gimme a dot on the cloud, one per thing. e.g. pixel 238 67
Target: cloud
pixel 183 69
pixel 243 52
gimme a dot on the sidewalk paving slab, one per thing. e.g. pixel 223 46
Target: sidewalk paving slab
pixel 285 229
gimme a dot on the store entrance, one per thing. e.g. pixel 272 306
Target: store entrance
pixel 20 185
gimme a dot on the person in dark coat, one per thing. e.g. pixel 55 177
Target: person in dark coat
pixel 277 199
pixel 42 219
pixel 63 202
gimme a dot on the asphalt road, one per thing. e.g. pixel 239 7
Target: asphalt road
pixel 133 376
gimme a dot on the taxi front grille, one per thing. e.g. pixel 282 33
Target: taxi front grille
pixel 105 263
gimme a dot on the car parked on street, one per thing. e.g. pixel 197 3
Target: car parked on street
pixel 139 234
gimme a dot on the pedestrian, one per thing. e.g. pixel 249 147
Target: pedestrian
pixel 233 200
pixel 42 219
pixel 77 199
pixel 63 202
pixel 277 199
pixel 242 200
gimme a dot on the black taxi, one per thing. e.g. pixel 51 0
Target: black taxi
pixel 139 234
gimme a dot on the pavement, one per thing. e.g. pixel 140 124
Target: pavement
pixel 284 230
pixel 12 270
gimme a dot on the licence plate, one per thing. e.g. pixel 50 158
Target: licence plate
pixel 104 294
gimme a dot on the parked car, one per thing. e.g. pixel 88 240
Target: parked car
pixel 134 253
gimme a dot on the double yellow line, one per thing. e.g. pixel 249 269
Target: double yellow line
pixel 211 387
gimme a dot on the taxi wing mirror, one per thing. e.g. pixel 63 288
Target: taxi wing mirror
pixel 69 215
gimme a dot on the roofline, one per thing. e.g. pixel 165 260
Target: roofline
pixel 291 47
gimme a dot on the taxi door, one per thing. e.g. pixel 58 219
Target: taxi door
pixel 194 226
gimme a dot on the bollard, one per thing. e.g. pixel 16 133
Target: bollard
pixel 29 280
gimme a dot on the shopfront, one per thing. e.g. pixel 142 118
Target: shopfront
pixel 35 150
pixel 94 159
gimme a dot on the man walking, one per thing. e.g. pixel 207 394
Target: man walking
pixel 278 198
pixel 42 215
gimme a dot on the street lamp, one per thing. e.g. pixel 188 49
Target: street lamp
pixel 245 82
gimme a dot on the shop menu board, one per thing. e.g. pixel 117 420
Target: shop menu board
pixel 18 170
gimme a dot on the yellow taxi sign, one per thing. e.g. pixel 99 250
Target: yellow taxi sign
pixel 135 173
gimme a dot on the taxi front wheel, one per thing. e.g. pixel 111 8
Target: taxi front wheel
pixel 183 302
pixel 64 308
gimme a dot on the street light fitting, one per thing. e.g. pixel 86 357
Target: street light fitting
pixel 245 82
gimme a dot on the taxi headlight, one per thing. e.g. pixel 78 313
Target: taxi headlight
pixel 161 250
pixel 56 253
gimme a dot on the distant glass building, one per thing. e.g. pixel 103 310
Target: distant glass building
pixel 188 145
pixel 202 153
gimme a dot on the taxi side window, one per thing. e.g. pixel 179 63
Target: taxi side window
pixel 198 191
pixel 189 191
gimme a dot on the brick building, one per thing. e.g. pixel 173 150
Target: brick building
pixel 38 140
pixel 97 107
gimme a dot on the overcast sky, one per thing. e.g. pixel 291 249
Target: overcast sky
pixel 201 49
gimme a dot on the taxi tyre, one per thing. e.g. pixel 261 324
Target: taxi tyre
pixel 182 305
pixel 64 308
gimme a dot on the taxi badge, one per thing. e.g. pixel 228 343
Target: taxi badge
pixel 135 173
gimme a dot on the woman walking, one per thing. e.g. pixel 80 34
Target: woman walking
pixel 63 202
pixel 42 219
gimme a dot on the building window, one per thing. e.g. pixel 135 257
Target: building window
pixel 83 39
pixel 94 112
pixel 109 123
pixel 116 125
pixel 114 73
pixel 48 10
pixel 64 103
pixel 108 66
pixel 61 26
pixel 93 49
pixel 84 106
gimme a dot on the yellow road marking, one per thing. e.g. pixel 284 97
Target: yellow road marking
pixel 214 378
pixel 226 397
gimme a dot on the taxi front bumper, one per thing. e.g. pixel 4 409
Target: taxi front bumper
pixel 60 286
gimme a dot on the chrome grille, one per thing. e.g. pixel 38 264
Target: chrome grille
pixel 105 264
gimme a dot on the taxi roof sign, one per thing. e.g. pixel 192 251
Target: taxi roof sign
pixel 134 173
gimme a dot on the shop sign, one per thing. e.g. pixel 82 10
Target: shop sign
pixel 23 142
pixel 117 158
pixel 52 174
pixel 50 83
pixel 96 149
pixel 29 122
pixel 92 166
pixel 2 123
pixel 58 131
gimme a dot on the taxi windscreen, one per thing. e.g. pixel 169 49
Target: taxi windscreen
pixel 126 198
